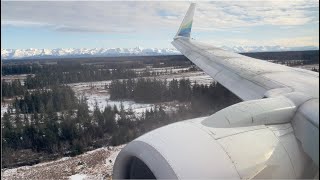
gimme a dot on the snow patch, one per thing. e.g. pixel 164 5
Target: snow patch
pixel 4 108
pixel 78 177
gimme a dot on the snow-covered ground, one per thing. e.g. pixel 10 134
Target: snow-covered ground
pixel 78 177
pixel 103 101
pixel 4 108
pixel 96 164
pixel 10 78
pixel 308 66
pixel 164 69
pixel 198 77
pixel 95 92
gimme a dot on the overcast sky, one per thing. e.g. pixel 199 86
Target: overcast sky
pixel 84 24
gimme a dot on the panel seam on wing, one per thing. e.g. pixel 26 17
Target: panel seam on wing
pixel 286 151
pixel 298 110
pixel 232 161
pixel 263 127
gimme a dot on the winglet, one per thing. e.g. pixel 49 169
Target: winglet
pixel 186 25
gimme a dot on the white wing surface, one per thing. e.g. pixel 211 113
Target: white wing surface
pixel 247 77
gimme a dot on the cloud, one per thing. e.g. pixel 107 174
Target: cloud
pixel 298 41
pixel 156 18
pixel 285 42
pixel 256 13
pixel 87 29
pixel 105 16
pixel 93 16
pixel 18 23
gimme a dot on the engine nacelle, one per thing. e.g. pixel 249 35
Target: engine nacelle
pixel 196 148
pixel 177 151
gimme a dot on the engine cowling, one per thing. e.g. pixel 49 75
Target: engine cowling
pixel 177 151
pixel 198 149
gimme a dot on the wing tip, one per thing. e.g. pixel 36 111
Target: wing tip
pixel 186 25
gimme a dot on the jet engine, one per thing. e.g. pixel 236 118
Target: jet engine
pixel 257 140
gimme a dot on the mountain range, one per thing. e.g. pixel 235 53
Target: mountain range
pixel 138 51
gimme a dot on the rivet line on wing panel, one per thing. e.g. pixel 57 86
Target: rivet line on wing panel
pixel 232 161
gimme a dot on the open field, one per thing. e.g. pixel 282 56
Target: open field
pixel 95 92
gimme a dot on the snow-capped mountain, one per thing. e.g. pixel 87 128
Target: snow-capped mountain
pixel 83 52
pixel 138 51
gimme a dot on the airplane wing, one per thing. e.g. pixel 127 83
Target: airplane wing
pixel 274 133
pixel 247 77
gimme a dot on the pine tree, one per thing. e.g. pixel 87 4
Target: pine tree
pixel 109 117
